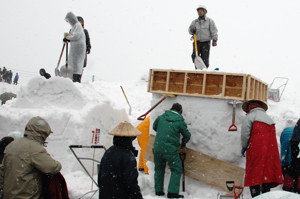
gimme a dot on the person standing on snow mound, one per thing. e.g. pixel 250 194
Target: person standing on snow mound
pixel 258 139
pixel 205 30
pixel 25 161
pixel 76 37
pixel 118 173
pixel 169 126
pixel 87 40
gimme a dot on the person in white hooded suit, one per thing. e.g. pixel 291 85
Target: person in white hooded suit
pixel 77 52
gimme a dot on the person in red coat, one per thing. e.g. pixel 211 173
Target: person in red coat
pixel 258 139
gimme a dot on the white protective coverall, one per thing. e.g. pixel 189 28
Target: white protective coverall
pixel 77 42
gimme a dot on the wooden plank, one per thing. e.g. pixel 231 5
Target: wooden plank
pixel 204 168
pixel 213 84
pixel 168 81
pixel 185 82
pixel 159 81
pixel 244 92
pixel 224 85
pixel 176 82
pixel 194 83
pixel 150 81
pixel 234 86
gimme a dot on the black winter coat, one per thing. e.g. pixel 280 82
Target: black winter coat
pixel 296 133
pixel 118 173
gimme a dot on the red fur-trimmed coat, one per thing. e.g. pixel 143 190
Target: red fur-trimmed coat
pixel 262 155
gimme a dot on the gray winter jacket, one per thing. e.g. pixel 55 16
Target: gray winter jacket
pixel 78 44
pixel 24 162
pixel 205 29
pixel 257 114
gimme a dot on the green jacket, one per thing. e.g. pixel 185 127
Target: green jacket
pixel 169 126
pixel 25 160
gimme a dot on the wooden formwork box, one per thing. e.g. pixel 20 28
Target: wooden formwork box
pixel 220 85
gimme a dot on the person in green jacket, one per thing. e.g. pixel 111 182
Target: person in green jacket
pixel 169 126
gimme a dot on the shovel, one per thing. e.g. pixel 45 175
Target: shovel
pixel 142 117
pixel 199 64
pixel 65 70
pixel 62 51
pixel 182 158
pixel 233 127
pixel 126 100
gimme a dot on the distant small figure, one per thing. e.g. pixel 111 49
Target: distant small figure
pixel 87 40
pixel 16 79
pixel 3 70
pixel 7 76
pixel 44 73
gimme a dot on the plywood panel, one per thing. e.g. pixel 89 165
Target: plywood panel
pixel 214 84
pixel 234 86
pixel 204 168
pixel 194 83
pixel 176 82
pixel 159 81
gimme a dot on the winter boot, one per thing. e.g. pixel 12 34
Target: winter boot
pixel 174 195
pixel 161 193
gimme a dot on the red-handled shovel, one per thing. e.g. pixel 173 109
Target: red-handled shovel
pixel 142 117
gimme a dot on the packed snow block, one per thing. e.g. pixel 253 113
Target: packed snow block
pixel 214 152
pixel 205 168
pixel 208 120
pixel 207 84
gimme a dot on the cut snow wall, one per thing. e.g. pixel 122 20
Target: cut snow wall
pixel 208 120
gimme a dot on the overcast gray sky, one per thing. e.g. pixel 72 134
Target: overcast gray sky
pixel 129 37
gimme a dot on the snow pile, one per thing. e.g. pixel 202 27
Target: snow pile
pixel 75 110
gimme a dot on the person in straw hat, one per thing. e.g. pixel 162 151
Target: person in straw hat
pixel 258 139
pixel 118 173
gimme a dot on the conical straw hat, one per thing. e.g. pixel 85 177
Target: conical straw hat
pixel 125 129
pixel 246 105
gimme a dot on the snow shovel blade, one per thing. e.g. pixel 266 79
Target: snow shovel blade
pixel 199 64
pixel 66 71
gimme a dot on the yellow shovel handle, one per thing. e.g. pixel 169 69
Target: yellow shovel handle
pixel 195 40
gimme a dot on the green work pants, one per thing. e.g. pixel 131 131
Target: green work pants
pixel 174 163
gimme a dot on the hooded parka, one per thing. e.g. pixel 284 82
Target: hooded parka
pixel 25 160
pixel 169 126
pixel 78 44
pixel 258 136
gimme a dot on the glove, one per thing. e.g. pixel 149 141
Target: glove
pixel 88 51
pixel 214 43
pixel 66 40
pixel 243 152
pixel 193 31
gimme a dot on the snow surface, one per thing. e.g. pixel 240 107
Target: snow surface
pixel 74 110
